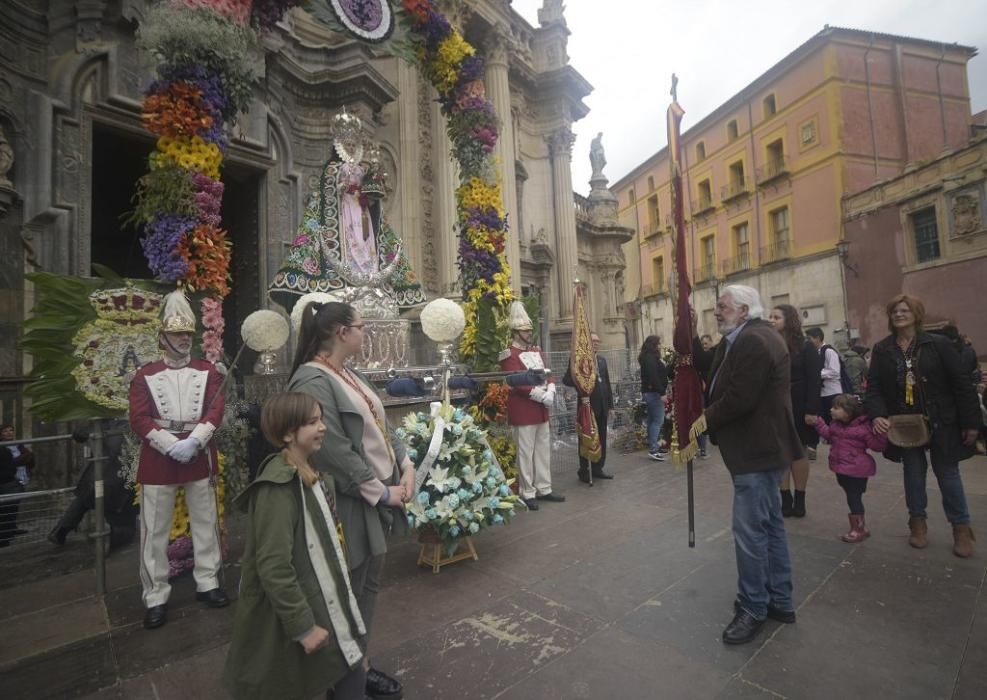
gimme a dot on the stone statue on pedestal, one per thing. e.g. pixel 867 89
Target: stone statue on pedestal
pixel 597 157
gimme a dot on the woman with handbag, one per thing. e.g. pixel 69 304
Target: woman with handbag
pixel 373 476
pixel 919 396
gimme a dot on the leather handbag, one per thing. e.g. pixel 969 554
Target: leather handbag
pixel 909 430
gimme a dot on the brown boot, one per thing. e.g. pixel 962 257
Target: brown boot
pixel 920 529
pixel 963 540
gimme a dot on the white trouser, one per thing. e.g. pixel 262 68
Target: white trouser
pixel 157 508
pixel 534 459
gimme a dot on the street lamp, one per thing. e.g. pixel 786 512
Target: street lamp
pixel 842 253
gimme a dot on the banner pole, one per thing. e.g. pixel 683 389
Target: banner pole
pixel 692 505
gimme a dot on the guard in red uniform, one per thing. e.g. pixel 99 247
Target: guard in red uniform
pixel 175 407
pixel 527 412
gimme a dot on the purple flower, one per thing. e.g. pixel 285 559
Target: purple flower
pixel 160 244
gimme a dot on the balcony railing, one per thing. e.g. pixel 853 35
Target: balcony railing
pixel 702 205
pixel 781 250
pixel 650 290
pixel 737 188
pixel 775 167
pixel 706 271
pixel 740 263
pixel 582 206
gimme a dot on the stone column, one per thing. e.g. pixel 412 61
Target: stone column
pixel 446 231
pixel 409 157
pixel 560 147
pixel 499 91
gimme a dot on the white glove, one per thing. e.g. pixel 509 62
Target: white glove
pixel 184 451
pixel 549 398
pixel 537 394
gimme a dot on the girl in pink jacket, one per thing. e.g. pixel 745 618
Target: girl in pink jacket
pixel 850 436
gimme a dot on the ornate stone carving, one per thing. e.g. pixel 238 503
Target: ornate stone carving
pixel 429 261
pixel 967 217
pixel 6 160
pixel 560 143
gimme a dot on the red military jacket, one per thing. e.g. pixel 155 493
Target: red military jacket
pixel 167 405
pixel 522 410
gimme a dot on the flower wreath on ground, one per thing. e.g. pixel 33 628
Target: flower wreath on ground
pixel 460 487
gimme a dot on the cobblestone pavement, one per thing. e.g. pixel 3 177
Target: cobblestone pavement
pixel 597 597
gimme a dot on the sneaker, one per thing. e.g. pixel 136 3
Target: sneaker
pixel 657 456
pixel 702 453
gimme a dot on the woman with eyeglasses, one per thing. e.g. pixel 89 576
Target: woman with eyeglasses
pixel 917 373
pixel 373 477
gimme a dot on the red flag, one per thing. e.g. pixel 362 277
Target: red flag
pixel 687 388
pixel 582 369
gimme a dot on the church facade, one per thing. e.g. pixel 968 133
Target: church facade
pixel 73 146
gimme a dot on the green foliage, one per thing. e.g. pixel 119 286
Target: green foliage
pixel 183 36
pixel 532 305
pixel 490 339
pixel 164 189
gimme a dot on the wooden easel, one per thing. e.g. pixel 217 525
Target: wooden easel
pixel 432 554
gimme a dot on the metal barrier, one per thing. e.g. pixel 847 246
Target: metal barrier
pixel 37 512
pixel 27 517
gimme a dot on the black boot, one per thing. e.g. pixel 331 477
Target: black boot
pixel 786 503
pixel 798 509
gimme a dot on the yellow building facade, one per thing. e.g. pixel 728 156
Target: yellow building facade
pixel 766 173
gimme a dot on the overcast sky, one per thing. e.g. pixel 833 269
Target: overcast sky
pixel 628 49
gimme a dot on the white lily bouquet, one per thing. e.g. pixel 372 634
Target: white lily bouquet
pixel 460 487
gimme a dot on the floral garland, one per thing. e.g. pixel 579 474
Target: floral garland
pixel 490 413
pixel 450 64
pixel 204 81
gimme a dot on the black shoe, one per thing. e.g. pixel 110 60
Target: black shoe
pixel 657 456
pixel 786 503
pixel 583 476
pixel 798 507
pixel 602 475
pixel 215 598
pixel 155 616
pixel 531 503
pixel 742 628
pixel 551 497
pixel 776 614
pixel 380 685
pixel 58 535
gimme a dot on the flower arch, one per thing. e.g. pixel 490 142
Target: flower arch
pixel 204 82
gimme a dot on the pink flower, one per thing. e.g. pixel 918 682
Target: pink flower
pixel 302 239
pixel 310 267
pixel 212 346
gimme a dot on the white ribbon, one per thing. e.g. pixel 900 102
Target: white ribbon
pixel 425 468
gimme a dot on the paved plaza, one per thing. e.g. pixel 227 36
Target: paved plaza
pixel 599 597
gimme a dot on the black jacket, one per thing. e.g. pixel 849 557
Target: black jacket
pixel 806 380
pixel 601 399
pixel 944 393
pixel 654 374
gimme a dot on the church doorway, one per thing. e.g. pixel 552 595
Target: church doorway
pixel 119 160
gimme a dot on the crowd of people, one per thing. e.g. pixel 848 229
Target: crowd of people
pixel 321 506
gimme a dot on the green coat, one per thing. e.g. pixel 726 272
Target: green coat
pixel 280 597
pixel 342 456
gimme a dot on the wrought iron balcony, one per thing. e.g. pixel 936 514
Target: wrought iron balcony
pixel 775 168
pixel 702 205
pixel 706 271
pixel 737 188
pixel 781 250
pixel 740 263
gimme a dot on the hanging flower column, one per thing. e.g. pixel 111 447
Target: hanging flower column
pixel 450 64
pixel 204 82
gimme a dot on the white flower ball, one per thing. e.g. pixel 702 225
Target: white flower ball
pixel 299 307
pixel 443 320
pixel 264 330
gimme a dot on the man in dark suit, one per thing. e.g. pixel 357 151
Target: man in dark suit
pixel 749 416
pixel 601 401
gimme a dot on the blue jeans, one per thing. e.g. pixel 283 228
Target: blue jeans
pixel 950 484
pixel 656 417
pixel 764 570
